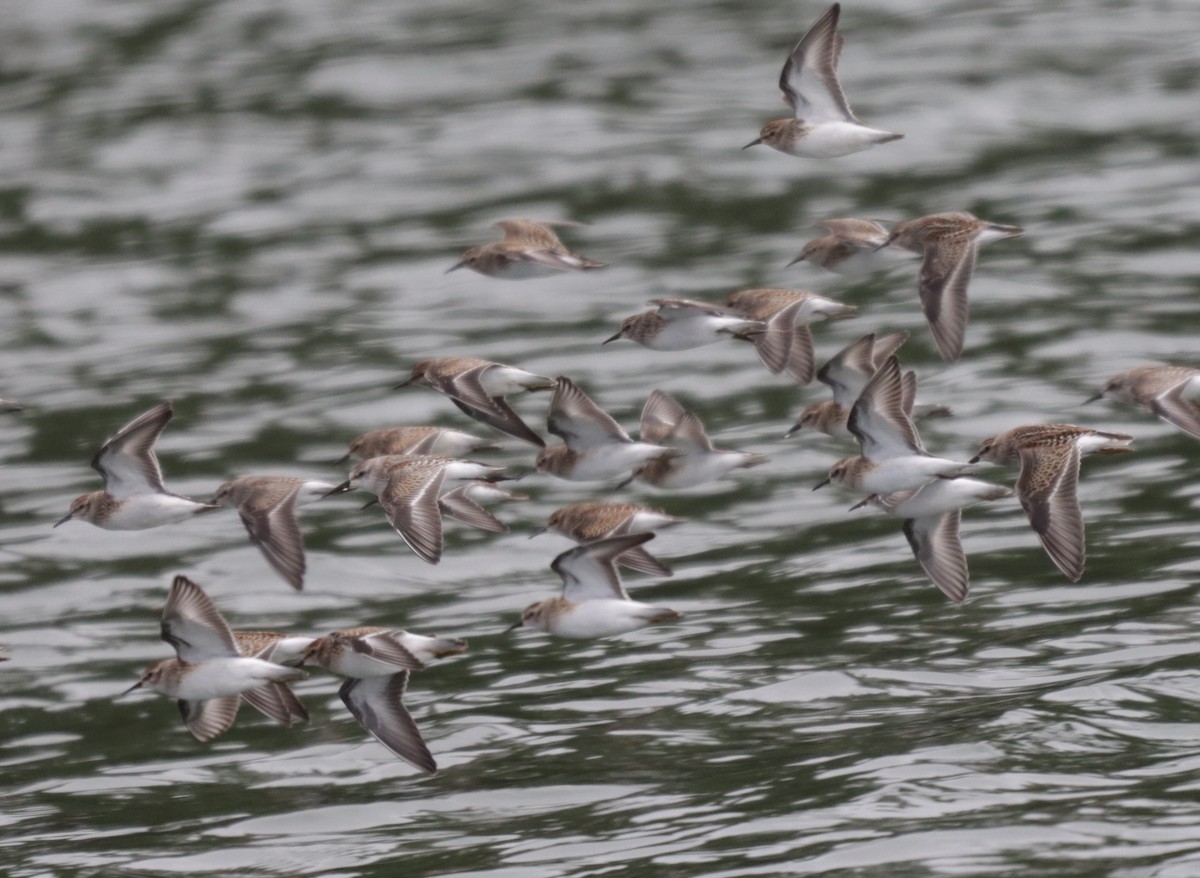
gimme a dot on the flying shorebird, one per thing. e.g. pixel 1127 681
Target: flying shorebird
pixel 1171 392
pixel 823 126
pixel 409 488
pixel 593 602
pixel 587 521
pixel 787 312
pixel 950 243
pixel 1050 455
pixel 377 662
pixel 267 506
pixel 932 514
pixel 134 497
pixel 665 422
pixel 893 457
pixel 852 247
pixel 529 249
pixel 211 674
pixel 594 446
pixel 414 440
pixel 478 388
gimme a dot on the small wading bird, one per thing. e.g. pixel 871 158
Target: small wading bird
pixel 212 673
pixel 823 126
pixel 529 250
pixel 593 602
pixel 134 497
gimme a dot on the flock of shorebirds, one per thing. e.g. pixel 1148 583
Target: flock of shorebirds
pixel 420 475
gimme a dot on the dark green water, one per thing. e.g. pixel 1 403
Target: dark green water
pixel 248 208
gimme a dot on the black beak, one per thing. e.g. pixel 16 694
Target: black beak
pixel 455 267
pixel 755 142
pixel 792 430
pixel 404 383
pixel 137 685
pixel 974 459
pixel 1093 398
pixel 821 484
pixel 64 519
pixel 520 623
pixel 340 489
pixel 799 258
pixel 538 531
pixel 613 338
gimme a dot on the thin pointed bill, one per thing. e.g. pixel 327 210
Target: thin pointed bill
pixel 1093 398
pixel 800 258
pixel 404 383
pixel 455 267
pixel 754 142
pixel 64 519
pixel 821 484
pixel 340 489
pixel 520 623
pixel 538 531
pixel 613 338
pixel 137 685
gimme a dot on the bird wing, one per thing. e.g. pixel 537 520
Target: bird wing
pixel 127 460
pixel 589 571
pixel 809 76
pixel 193 625
pixel 1047 488
pixel 410 501
pixel 378 706
pixel 578 420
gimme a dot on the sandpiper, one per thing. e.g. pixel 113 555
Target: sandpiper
pixel 478 388
pixel 893 458
pixel 593 602
pixel 595 447
pixel 529 249
pixel 267 506
pixel 134 497
pixel 788 312
pixel 440 441
pixel 1050 456
pixel 823 126
pixel 847 373
pixel 932 514
pixel 408 487
pixel 666 422
pixel 591 520
pixel 853 246
pixel 950 243
pixel 376 662
pixel 1171 392
pixel 682 324
pixel 210 674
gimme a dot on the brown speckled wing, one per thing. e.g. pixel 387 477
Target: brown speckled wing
pixel 942 283
pixel 531 233
pixel 411 504
pixel 1046 486
pixel 270 518
pixel 277 701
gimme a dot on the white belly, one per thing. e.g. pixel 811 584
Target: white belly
pixel 215 678
pixel 832 139
pixel 151 510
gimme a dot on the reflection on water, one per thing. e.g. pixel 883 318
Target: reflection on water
pixel 248 210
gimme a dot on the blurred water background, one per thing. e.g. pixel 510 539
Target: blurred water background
pixel 247 208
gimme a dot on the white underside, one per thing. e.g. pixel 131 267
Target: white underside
pixel 906 473
pixel 503 380
pixel 941 496
pixel 611 460
pixel 151 510
pixel 697 468
pixel 831 139
pixel 684 333
pixel 603 618
pixel 218 677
